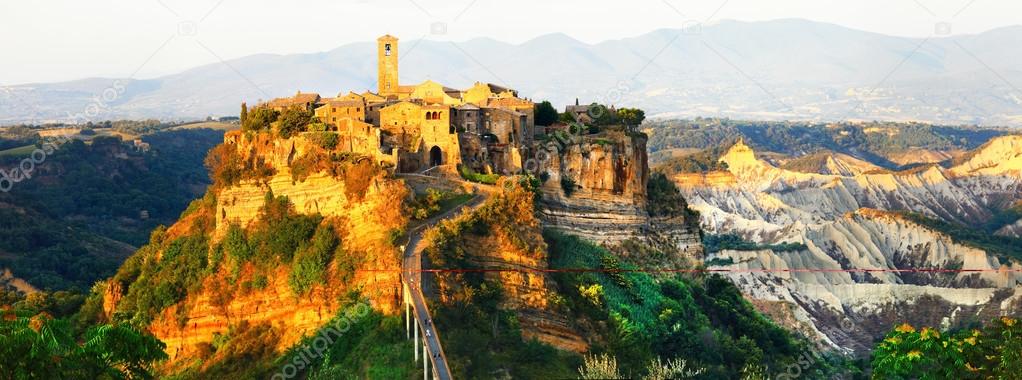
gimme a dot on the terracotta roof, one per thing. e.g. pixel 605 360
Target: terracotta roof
pixel 298 99
pixel 306 98
pixel 509 102
pixel 345 103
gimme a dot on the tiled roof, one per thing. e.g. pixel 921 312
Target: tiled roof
pixel 509 102
pixel 344 103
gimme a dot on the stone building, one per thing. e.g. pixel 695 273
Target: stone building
pixel 427 124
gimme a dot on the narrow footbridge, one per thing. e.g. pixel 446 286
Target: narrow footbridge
pixel 418 320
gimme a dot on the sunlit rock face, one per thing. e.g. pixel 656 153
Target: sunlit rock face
pixel 848 217
pixel 362 222
pixel 596 189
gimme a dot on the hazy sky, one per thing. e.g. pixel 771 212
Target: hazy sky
pixel 57 40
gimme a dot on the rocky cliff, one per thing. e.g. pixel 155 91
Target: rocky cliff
pixel 596 188
pixel 362 204
pixel 503 240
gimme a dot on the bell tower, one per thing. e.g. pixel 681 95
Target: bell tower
pixel 386 62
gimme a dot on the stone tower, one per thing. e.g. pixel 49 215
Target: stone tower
pixel 386 62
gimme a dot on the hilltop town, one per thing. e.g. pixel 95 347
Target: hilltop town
pixel 414 127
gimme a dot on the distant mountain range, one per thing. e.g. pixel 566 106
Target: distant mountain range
pixel 783 69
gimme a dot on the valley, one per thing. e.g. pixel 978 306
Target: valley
pixel 877 244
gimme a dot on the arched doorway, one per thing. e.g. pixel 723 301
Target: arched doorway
pixel 436 156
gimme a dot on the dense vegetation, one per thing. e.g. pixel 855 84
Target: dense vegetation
pixel 435 202
pixel 481 339
pixel 703 320
pixel 870 141
pixel 36 345
pixel 281 237
pixel 665 200
pixel 67 226
pixel 993 351
pixel 358 343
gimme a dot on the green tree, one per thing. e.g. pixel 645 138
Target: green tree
pixel 295 120
pixel 40 347
pixel 546 114
pixel 244 114
pixel 260 119
pixel 993 352
pixel 603 116
pixel 631 116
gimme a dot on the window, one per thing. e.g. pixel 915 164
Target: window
pixel 333 109
pixel 386 49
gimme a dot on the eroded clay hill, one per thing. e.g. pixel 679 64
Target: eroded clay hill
pixel 861 243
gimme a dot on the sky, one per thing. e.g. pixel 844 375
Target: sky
pixel 57 40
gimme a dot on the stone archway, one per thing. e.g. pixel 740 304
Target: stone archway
pixel 436 156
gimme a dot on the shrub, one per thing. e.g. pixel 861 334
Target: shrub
pixel 280 230
pixel 470 175
pixel 664 198
pixel 326 140
pixel 568 185
pixel 295 120
pixel 260 119
pixel 990 352
pixel 310 263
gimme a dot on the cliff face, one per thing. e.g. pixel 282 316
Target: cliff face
pixel 764 199
pixel 513 254
pixel 363 214
pixel 596 189
pixel 849 309
pixel 850 222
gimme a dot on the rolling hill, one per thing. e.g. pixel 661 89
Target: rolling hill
pixel 782 69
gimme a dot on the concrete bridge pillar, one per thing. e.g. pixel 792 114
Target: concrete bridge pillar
pixel 408 316
pixel 415 342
